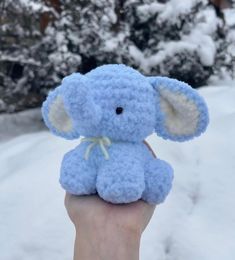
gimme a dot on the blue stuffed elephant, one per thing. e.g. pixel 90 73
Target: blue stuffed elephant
pixel 114 108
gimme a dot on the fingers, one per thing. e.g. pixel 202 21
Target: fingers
pixel 142 213
pixel 67 199
pixel 147 214
pixel 69 205
pixel 150 148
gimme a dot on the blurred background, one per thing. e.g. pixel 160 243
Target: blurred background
pixel 41 41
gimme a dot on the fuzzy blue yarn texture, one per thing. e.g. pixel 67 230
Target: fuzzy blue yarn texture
pixel 115 108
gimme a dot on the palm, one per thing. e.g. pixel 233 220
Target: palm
pixel 84 210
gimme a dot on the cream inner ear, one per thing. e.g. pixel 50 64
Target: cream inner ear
pixel 58 116
pixel 182 114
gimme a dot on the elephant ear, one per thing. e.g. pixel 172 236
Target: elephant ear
pixel 182 113
pixel 55 114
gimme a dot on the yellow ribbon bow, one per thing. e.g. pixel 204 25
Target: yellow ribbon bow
pixel 101 141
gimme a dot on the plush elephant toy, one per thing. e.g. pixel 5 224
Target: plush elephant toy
pixel 115 108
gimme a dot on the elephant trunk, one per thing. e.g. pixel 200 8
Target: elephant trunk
pixel 80 104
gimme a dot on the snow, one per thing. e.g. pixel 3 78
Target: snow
pixel 196 221
pixel 204 45
pixel 36 6
pixel 173 9
pixel 169 49
pixel 29 61
pixel 176 8
pixel 145 11
pixel 20 123
pixel 229 15
pixel 199 40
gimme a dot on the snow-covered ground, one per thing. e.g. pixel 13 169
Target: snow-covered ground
pixel 22 122
pixel 196 222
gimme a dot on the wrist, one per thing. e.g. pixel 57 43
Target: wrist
pixel 106 242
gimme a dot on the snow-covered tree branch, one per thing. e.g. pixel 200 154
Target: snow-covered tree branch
pixel 41 41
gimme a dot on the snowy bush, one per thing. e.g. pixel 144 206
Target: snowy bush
pixel 43 40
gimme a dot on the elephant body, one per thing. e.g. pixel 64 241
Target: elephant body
pixel 131 173
pixel 119 104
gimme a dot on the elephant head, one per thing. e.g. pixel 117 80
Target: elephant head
pixel 118 102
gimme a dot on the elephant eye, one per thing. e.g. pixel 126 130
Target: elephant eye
pixel 119 110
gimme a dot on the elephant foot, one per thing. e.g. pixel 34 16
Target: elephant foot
pixel 158 181
pixel 123 192
pixel 76 176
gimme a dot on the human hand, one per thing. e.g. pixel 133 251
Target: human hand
pixel 107 231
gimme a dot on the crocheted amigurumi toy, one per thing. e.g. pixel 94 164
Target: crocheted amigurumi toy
pixel 115 107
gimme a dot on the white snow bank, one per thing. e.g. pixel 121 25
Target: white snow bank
pixel 198 219
pixel 23 122
pixel 196 222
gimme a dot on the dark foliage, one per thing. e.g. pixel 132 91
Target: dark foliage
pixel 41 41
